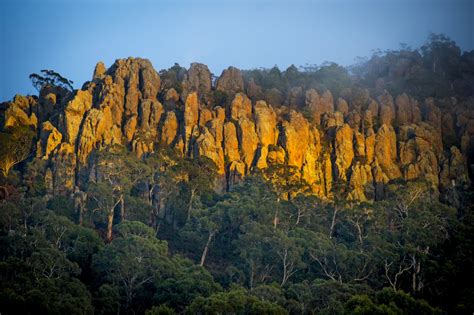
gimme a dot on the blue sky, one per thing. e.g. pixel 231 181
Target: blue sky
pixel 71 36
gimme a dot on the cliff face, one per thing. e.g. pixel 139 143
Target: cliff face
pixel 328 141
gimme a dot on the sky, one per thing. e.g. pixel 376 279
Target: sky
pixel 70 37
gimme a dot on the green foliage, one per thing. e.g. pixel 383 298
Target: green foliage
pixel 15 146
pixel 63 206
pixel 160 310
pixel 172 77
pixel 236 301
pixel 184 283
pixel 50 78
pixel 332 77
pixel 39 268
pixel 437 69
pixel 107 300
pixel 388 301
pixel 132 261
pixel 220 98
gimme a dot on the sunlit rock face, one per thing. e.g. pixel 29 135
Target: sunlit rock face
pixel 328 141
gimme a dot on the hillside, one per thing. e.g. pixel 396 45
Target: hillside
pixel 319 189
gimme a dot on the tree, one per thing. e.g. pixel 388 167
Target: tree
pixel 158 178
pixel 286 182
pixel 15 147
pixel 38 277
pixel 184 282
pixel 417 224
pixel 131 261
pixel 50 78
pixel 388 301
pixel 269 254
pixel 118 172
pixel 442 55
pixel 160 310
pixel 236 301
pixel 197 175
pixel 103 199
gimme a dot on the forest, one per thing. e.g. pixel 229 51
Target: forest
pixel 167 232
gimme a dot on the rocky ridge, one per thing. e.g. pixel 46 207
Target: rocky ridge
pixel 327 141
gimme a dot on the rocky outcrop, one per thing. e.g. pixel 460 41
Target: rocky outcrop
pixel 385 151
pixel 49 139
pixel 361 182
pixel 319 105
pixel 197 79
pixel 74 114
pixel 208 145
pixel 295 138
pixel 190 118
pixel 231 143
pixel 418 152
pixel 17 113
pixel 241 106
pixel 266 128
pixel 230 81
pixel 169 129
pixel 344 151
pixel 407 110
pixel 453 170
pixel 99 70
pixel 95 131
pixel 386 109
pixel 129 90
pixel 248 141
pixel 361 142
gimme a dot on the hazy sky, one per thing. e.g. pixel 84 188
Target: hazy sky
pixel 71 36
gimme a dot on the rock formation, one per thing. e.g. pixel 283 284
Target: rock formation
pixel 363 143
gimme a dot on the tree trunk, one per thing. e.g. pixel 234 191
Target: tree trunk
pixel 299 216
pixel 252 276
pixel 155 207
pixel 275 218
pixel 333 222
pixel 110 221
pixel 190 206
pixel 81 216
pixel 359 231
pixel 283 280
pixel 122 208
pixel 206 248
pixel 110 217
pixel 150 194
